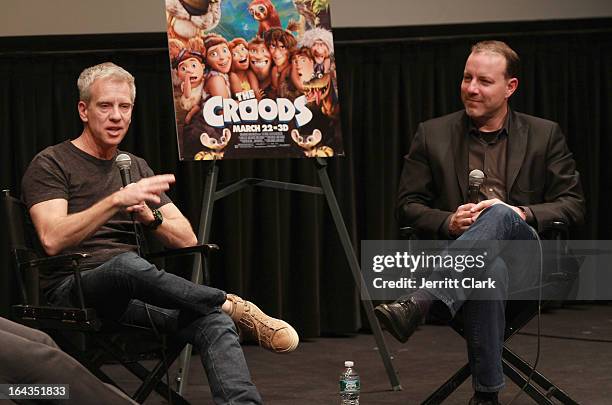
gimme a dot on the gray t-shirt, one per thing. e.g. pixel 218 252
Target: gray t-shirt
pixel 65 171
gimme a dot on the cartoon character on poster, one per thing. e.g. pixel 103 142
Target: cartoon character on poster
pixel 253 78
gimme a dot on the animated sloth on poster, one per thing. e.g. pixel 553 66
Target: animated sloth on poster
pixel 253 78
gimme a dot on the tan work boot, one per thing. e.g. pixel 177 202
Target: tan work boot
pixel 271 333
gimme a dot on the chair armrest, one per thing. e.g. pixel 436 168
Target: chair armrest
pixel 204 249
pixel 46 317
pixel 53 261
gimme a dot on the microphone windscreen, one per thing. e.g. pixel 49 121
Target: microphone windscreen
pixel 123 161
pixel 476 178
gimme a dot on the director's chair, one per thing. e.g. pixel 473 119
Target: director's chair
pixel 79 331
pixel 519 312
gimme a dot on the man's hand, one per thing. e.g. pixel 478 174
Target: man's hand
pixel 145 190
pixel 141 213
pixel 481 206
pixel 462 219
pixel 58 230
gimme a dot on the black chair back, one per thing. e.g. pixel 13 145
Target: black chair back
pixel 23 246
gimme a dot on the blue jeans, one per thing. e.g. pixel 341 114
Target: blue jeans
pixel 484 309
pixel 119 289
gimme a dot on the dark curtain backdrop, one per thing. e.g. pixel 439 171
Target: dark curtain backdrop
pixel 279 248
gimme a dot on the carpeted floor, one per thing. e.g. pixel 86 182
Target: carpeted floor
pixel 576 354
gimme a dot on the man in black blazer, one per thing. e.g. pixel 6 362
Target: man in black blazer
pixel 530 181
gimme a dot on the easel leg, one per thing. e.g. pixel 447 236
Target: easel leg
pixel 203 237
pixel 208 201
pixel 197 275
pixel 354 265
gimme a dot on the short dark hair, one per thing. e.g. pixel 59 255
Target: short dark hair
pixel 513 62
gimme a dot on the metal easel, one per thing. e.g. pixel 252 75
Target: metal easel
pixel 211 195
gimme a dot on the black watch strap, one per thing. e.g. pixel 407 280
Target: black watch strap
pixel 158 218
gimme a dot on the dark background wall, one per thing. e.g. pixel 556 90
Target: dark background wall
pixel 280 248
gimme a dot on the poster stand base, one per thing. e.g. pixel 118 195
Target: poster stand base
pixel 211 195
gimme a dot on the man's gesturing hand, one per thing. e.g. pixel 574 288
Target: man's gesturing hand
pixel 461 220
pixel 147 190
pixel 141 213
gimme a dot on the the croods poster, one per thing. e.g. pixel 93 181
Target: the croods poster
pixel 253 78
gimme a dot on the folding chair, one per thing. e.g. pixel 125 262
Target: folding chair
pixel 79 331
pixel 518 314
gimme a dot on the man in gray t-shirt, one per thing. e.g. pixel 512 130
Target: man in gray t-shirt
pixel 76 202
pixel 65 172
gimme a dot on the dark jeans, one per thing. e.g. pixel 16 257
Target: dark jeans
pixel 484 309
pixel 119 289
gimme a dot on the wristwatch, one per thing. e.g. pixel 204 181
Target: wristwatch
pixel 158 218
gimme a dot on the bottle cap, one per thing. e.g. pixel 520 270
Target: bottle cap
pixel 348 363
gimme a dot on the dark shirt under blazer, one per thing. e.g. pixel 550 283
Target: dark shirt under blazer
pixel 540 173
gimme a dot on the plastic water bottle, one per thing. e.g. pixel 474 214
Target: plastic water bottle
pixel 349 385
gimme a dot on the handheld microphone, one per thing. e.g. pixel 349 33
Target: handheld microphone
pixel 123 162
pixel 476 178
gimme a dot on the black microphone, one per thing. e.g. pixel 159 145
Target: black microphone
pixel 123 162
pixel 476 178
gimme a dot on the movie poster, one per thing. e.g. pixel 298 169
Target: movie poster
pixel 253 79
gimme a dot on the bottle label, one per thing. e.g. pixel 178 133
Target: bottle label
pixel 349 385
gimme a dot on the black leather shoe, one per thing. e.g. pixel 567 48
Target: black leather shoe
pixel 400 318
pixel 479 401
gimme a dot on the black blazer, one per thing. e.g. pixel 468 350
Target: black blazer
pixel 540 174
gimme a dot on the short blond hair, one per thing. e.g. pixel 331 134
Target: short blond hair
pixel 106 70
